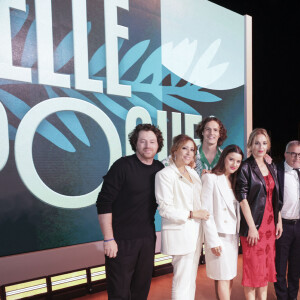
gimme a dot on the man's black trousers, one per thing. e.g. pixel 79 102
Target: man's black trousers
pixel 129 275
pixel 288 255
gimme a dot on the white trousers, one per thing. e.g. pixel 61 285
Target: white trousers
pixel 185 269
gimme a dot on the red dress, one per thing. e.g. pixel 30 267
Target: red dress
pixel 259 260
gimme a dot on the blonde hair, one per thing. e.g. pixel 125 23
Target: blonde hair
pixel 255 133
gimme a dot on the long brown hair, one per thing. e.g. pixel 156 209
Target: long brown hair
pixel 219 169
pixel 178 142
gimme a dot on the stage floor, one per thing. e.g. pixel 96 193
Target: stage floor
pixel 161 287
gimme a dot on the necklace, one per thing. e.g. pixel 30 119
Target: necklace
pixel 183 171
pixel 185 174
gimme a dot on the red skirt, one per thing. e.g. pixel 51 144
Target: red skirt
pixel 259 260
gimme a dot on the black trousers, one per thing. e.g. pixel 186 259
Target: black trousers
pixel 129 275
pixel 288 254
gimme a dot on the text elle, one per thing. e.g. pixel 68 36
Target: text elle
pixel 44 32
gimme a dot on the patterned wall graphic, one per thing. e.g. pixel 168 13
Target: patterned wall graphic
pixel 77 76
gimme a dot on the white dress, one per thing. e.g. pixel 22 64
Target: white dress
pixel 224 267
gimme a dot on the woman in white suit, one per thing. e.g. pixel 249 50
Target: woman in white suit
pixel 221 230
pixel 177 191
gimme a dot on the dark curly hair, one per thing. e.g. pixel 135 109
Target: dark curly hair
pixel 202 124
pixel 134 135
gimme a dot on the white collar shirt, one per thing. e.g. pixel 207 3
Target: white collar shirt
pixel 291 197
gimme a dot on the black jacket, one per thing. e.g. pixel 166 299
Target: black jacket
pixel 251 185
pixel 280 176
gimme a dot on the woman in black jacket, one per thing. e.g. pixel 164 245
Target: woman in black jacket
pixel 257 192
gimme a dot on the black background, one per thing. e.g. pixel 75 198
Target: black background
pixel 276 82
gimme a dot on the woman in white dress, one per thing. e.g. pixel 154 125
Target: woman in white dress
pixel 221 230
pixel 177 191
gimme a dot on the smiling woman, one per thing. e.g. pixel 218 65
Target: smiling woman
pixel 221 230
pixel 183 151
pixel 257 191
pixel 177 191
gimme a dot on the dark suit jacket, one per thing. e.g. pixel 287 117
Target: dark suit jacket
pixel 280 176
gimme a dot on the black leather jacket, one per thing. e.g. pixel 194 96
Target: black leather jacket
pixel 250 185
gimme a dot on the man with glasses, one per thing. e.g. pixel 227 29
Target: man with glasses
pixel 288 246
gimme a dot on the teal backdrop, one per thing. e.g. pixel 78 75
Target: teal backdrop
pixel 85 72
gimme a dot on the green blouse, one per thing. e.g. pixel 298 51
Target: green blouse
pixel 201 160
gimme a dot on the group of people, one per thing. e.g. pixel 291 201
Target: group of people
pixel 204 195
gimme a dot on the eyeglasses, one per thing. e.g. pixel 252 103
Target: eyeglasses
pixel 294 154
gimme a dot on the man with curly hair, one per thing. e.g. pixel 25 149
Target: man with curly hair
pixel 212 134
pixel 126 206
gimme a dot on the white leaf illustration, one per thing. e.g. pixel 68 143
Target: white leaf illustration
pixel 179 58
pixel 203 75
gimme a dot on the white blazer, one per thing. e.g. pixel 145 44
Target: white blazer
pixel 217 199
pixel 176 197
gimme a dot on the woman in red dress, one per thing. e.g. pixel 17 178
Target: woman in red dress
pixel 257 192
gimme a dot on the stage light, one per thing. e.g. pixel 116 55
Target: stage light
pixel 161 259
pixel 26 289
pixel 98 273
pixel 68 280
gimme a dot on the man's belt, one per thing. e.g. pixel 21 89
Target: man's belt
pixel 290 221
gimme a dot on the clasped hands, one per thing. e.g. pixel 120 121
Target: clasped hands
pixel 201 214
